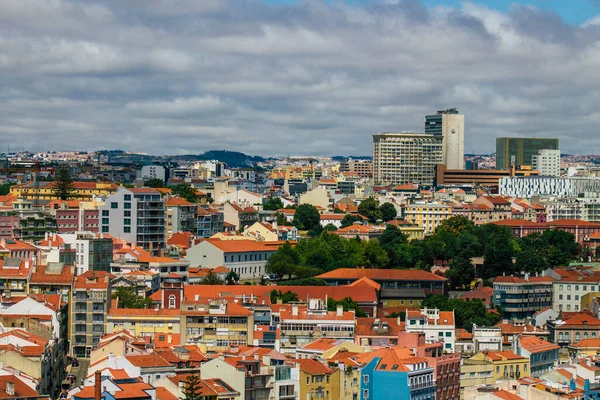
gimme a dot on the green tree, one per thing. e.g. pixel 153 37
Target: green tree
pixel 370 209
pixel 232 278
pixel 530 261
pixel 63 185
pixel 388 211
pixel 561 247
pixel 211 279
pixel 154 183
pixel 306 217
pixel 461 273
pixel 272 204
pixel 330 228
pixel 185 191
pixel 349 219
pixel 127 298
pixel 285 297
pixel 457 225
pixel 5 188
pixel 466 313
pixel 374 255
pixel 348 304
pixel 192 388
pixel 284 261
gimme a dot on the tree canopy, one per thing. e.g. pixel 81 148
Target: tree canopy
pixel 307 217
pixel 192 388
pixel 211 279
pixel 466 313
pixel 129 299
pixel 154 183
pixel 63 185
pixel 185 191
pixel 370 209
pixel 272 203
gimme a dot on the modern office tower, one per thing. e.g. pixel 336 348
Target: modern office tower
pixel 547 162
pixel 402 158
pixel 523 149
pixel 137 215
pixel 450 125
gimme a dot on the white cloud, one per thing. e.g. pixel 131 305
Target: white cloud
pixel 314 77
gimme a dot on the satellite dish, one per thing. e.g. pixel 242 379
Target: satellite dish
pixel 453 131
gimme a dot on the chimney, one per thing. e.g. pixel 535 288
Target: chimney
pixel 340 311
pixel 26 264
pixel 295 311
pixel 98 385
pixel 10 388
pixel 46 235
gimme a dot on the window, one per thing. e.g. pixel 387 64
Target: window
pixel 366 379
pixel 127 206
pixel 114 204
pixel 448 334
pixel 127 229
pixel 105 221
pixel 366 394
pixel 127 213
pixel 105 229
pixel 172 301
pixel 127 221
pixel 127 197
pixel 105 213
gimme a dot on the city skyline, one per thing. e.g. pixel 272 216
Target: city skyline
pixel 306 77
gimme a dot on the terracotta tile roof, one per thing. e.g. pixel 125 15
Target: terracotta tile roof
pixel 177 201
pixel 365 281
pixel 358 229
pixel 532 279
pixel 41 276
pixel 148 361
pixel 312 367
pixel 93 280
pixel 181 239
pixel 462 334
pixel 163 394
pixel 52 241
pixel 382 274
pixel 21 389
pixel 583 319
pixel 233 309
pixel 20 271
pixel 17 245
pixel 504 395
pixel 534 344
pixel 391 359
pixel 504 355
pixel 594 343
pixel 286 314
pixel 368 327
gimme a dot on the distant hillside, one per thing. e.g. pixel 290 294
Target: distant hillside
pixel 233 159
pixel 344 158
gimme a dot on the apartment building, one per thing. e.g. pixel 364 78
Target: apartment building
pixel 438 326
pixel 83 191
pixel 89 304
pixel 180 216
pixel 522 149
pixel 520 298
pixel 216 324
pixel 427 215
pixel 571 330
pixel 209 222
pixel 137 215
pixel 542 354
pixel 570 287
pixel 93 252
pixel 161 325
pixel 389 369
pixel 501 208
pixel 77 219
pixel 403 158
pixel 300 325
pixel 363 168
pixel 317 381
pixel 530 186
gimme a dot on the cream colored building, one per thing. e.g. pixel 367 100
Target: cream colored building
pixel 403 158
pixel 317 197
pixel 450 126
pixel 427 215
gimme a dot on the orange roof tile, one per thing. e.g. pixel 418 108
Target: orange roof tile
pixel 243 246
pixel 534 344
pixel 381 274
pixel 148 361
pixel 312 367
pixel 177 201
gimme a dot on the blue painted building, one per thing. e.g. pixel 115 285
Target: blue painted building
pixel 392 374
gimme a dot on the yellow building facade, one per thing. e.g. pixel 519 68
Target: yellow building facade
pixel 162 325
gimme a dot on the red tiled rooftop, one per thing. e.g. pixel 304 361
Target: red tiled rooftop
pixel 382 274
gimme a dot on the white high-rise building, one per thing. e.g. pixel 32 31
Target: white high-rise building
pixel 450 125
pixel 547 162
pixel 402 158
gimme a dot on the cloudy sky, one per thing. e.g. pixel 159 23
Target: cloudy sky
pixel 275 77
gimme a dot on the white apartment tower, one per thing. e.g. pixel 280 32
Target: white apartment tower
pixel 547 162
pixel 402 158
pixel 450 125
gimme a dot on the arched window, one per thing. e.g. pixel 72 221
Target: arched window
pixel 172 301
